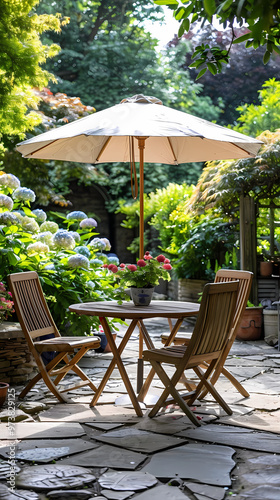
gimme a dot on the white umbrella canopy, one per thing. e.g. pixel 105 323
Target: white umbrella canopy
pixel 121 133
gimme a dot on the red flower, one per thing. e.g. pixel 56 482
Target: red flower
pixel 167 261
pixel 160 258
pixel 168 267
pixel 141 263
pixel 105 265
pixel 113 268
pixel 132 267
pixel 122 266
pixel 147 253
pixel 147 257
pixel 110 266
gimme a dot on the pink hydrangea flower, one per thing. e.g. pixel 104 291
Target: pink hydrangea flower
pixel 148 256
pixel 167 261
pixel 160 258
pixel 141 263
pixel 168 267
pixel 113 268
pixel 132 267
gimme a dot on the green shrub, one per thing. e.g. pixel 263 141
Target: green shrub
pixel 29 242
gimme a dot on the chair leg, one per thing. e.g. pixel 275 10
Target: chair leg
pixel 39 375
pixel 204 377
pixel 170 389
pixel 49 383
pixel 83 376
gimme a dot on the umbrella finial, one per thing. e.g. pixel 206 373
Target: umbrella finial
pixel 146 99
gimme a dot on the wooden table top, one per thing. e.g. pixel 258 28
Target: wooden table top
pixel 156 309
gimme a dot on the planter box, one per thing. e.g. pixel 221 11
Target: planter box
pixel 189 289
pixel 250 327
pixel 270 320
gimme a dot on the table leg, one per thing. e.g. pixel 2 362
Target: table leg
pixel 145 387
pixel 117 361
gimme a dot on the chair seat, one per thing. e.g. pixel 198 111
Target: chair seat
pixel 66 344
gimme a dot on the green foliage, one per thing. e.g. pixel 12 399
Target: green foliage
pixel 50 179
pixel 197 242
pixel 255 119
pixel 158 206
pixel 21 58
pixel 206 242
pixel 262 19
pixel 240 80
pixel 67 277
pixel 222 183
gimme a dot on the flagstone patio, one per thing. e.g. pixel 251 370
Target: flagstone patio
pixel 72 451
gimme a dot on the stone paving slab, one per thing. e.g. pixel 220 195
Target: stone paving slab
pixel 163 492
pixel 47 450
pixel 82 413
pixel 107 456
pixel 265 383
pixel 139 440
pixel 266 492
pixel 205 463
pixel 258 421
pixel 42 430
pixel 239 437
pixel 265 402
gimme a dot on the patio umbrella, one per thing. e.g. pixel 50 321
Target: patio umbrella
pixel 140 126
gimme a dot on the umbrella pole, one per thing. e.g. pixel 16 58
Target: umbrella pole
pixel 141 147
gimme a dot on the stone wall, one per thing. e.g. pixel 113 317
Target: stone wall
pixel 17 366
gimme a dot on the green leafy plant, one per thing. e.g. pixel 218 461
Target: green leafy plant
pixel 145 274
pixel 67 258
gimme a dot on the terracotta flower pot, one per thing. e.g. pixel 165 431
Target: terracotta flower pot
pixel 266 268
pixel 3 392
pixel 250 327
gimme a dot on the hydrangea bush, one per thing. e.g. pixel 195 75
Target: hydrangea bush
pixel 67 257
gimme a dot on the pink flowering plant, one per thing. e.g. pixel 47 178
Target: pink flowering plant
pixel 6 303
pixel 146 273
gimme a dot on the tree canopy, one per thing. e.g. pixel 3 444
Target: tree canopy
pixel 21 57
pixel 262 19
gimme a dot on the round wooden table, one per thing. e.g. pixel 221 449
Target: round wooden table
pixel 137 314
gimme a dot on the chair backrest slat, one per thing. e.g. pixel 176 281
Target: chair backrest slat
pixel 214 321
pixel 30 305
pixel 245 279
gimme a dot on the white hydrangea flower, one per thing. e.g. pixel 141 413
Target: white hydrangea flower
pixel 113 260
pixel 76 215
pixel 10 181
pixel 41 216
pixel 45 237
pixel 64 240
pixel 24 194
pixel 37 247
pixel 8 218
pixel 30 225
pixel 76 236
pixel 98 244
pixel 107 243
pixel 78 260
pixel 88 223
pixel 49 226
pixel 6 201
pixel 83 250
pixel 91 284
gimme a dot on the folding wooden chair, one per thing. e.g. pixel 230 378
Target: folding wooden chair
pixel 36 322
pixel 245 279
pixel 211 334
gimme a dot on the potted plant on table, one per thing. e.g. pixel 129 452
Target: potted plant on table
pixel 141 277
